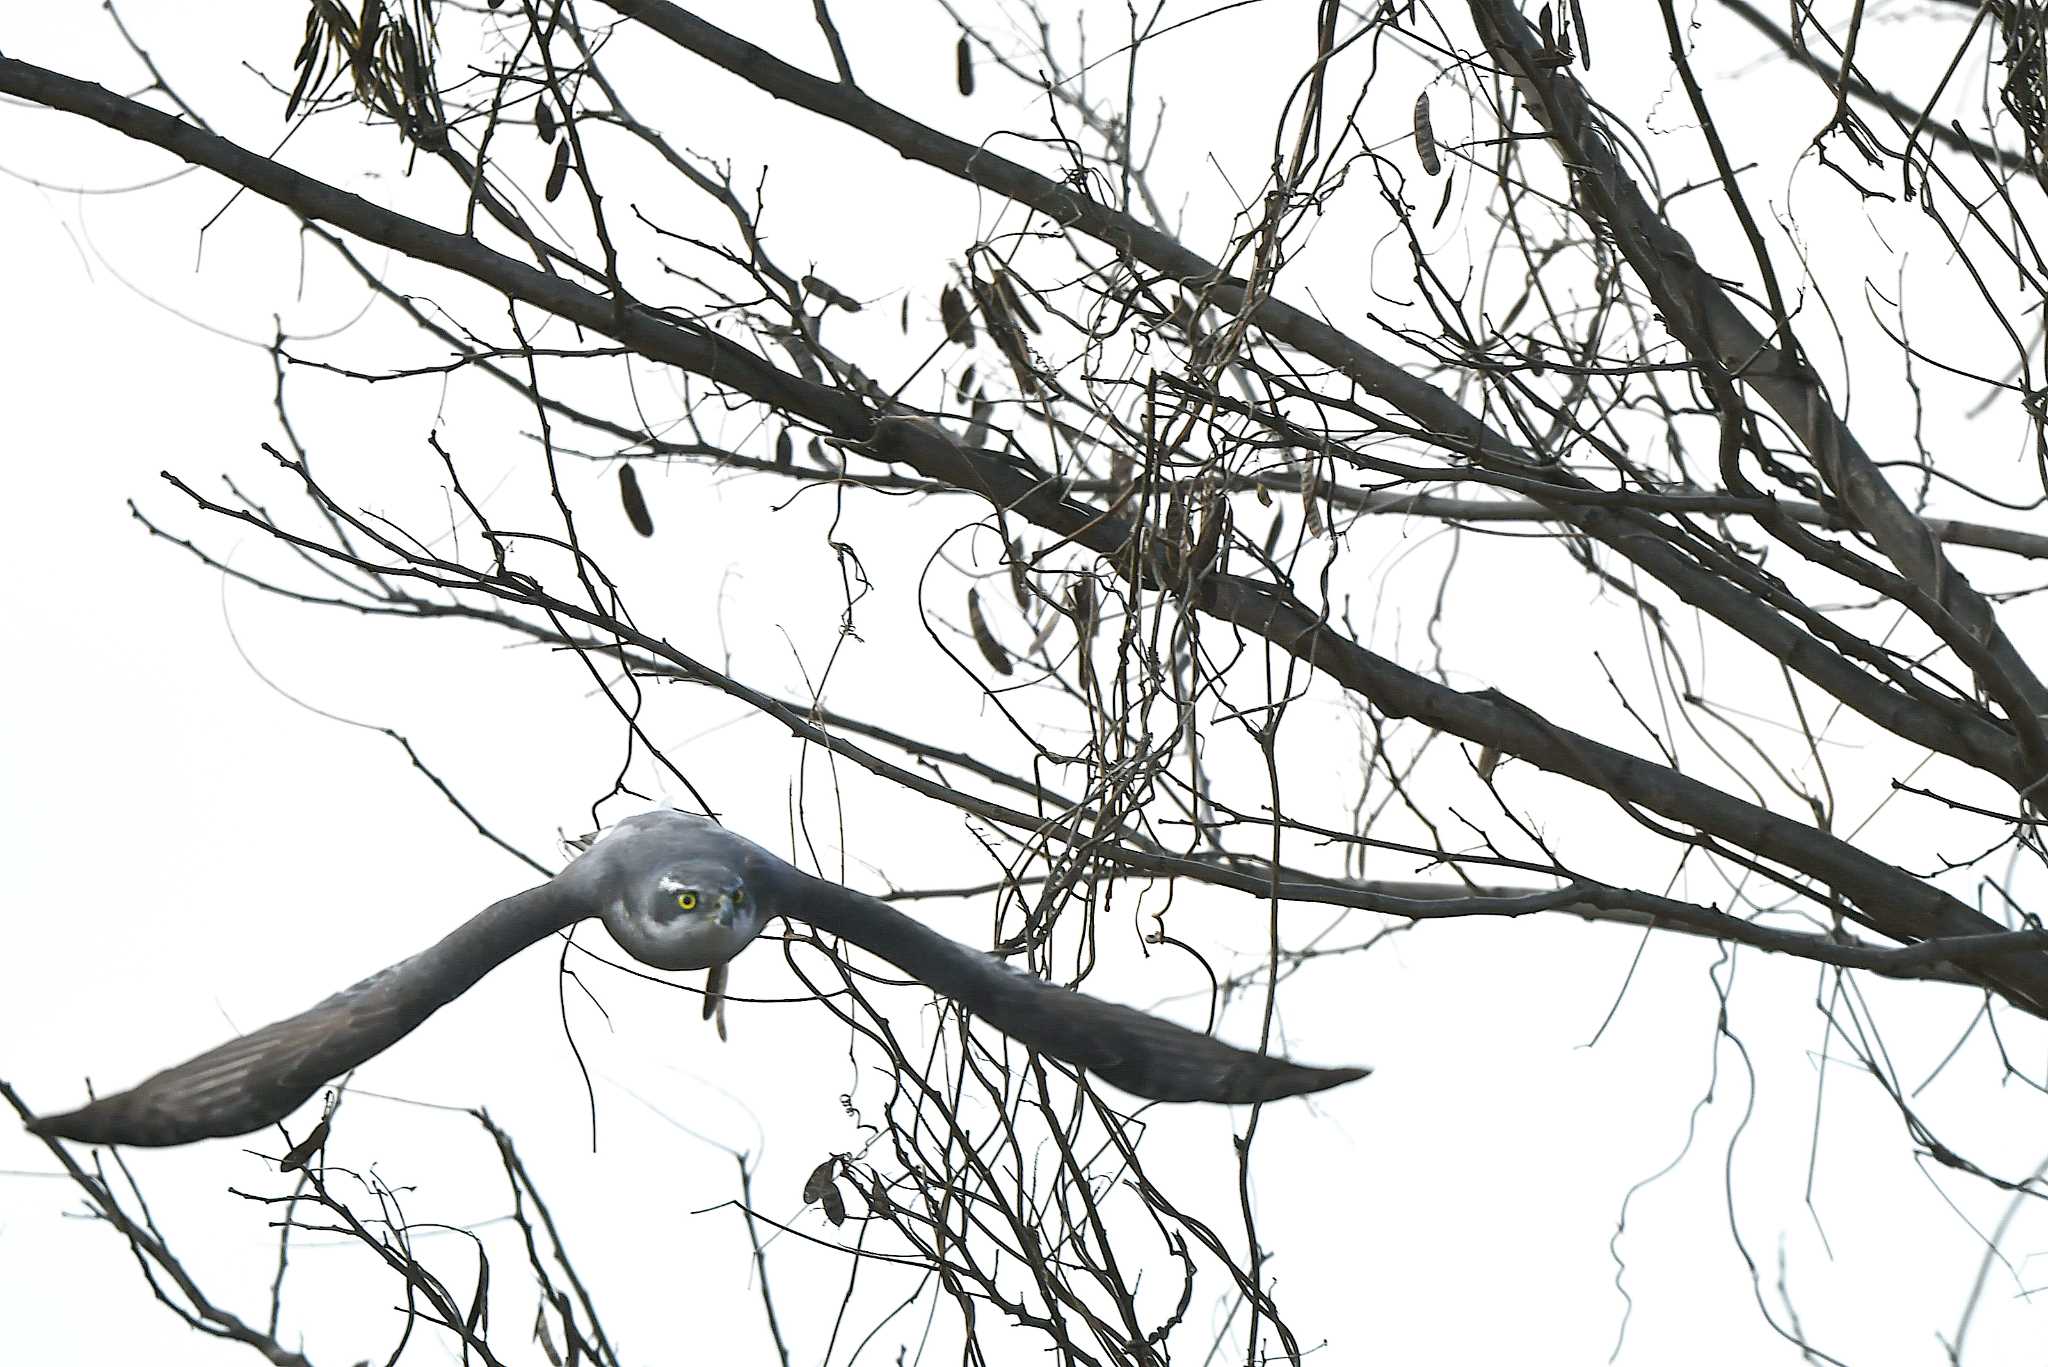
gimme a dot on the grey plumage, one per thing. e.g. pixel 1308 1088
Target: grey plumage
pixel 678 892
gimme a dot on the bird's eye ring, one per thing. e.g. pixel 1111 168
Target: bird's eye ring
pixel 687 900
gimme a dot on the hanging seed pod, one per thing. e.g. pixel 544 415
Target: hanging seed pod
pixel 540 1314
pixel 782 447
pixel 1215 509
pixel 1311 512
pixel 977 426
pixel 816 451
pixel 833 297
pixel 963 66
pixel 1585 43
pixel 903 315
pixel 1018 588
pixel 636 503
pixel 991 648
pixel 1263 494
pixel 1002 329
pixel 953 310
pixel 965 385
pixel 544 119
pixel 1013 300
pixel 1121 465
pixel 1273 532
pixel 560 175
pixel 1081 603
pixel 1425 136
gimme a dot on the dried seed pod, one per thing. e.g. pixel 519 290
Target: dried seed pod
pixel 636 503
pixel 1013 300
pixel 991 648
pixel 540 1314
pixel 1311 511
pixel 953 310
pixel 823 290
pixel 1215 523
pixel 1002 328
pixel 977 425
pixel 782 447
pixel 1121 464
pixel 1081 603
pixel 965 384
pixel 560 175
pixel 819 1182
pixel 1273 532
pixel 1585 43
pixel 544 119
pixel 963 66
pixel 816 451
pixel 1425 136
pixel 1018 588
pixel 903 315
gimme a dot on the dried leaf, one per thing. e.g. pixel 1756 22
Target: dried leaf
pixel 1263 494
pixel 783 447
pixel 953 310
pixel 831 296
pixel 819 1182
pixel 991 649
pixel 963 64
pixel 560 175
pixel 903 315
pixel 1547 26
pixel 1585 42
pixel 834 1204
pixel 636 503
pixel 878 1198
pixel 544 119
pixel 1273 532
pixel 1489 760
pixel 1425 136
pixel 816 451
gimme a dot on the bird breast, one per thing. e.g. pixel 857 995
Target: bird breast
pixel 688 941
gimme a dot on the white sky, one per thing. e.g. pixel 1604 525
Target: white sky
pixel 193 852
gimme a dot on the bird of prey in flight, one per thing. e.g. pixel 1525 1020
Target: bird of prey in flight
pixel 677 892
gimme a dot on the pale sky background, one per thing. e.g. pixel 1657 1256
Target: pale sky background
pixel 193 852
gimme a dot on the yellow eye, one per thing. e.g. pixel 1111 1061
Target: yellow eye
pixel 687 900
pixel 739 896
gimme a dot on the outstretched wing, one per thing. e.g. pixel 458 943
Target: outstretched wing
pixel 262 1077
pixel 1137 1052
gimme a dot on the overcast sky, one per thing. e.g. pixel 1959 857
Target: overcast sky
pixel 209 829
